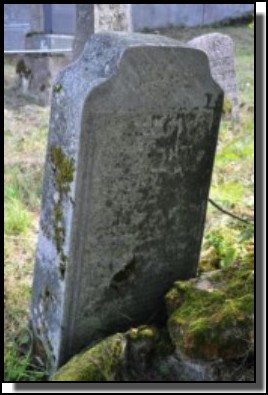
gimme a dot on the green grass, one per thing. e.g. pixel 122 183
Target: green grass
pixel 24 183
pixel 17 219
pixel 25 133
pixel 18 367
pixel 233 176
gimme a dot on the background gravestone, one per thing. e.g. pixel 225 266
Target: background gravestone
pixel 133 133
pixel 93 18
pixel 42 69
pixel 39 70
pixel 112 17
pixel 220 51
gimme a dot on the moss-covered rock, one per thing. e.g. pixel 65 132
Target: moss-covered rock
pixel 119 357
pixel 142 343
pixel 99 363
pixel 212 317
pixel 208 336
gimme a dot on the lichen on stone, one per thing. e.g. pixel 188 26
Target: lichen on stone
pixel 63 168
pixel 59 232
pixel 63 174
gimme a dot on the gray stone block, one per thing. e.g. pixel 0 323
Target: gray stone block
pixel 133 132
pixel 220 51
pixel 112 17
pixel 41 72
pixel 42 68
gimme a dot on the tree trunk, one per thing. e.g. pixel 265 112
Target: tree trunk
pixel 84 27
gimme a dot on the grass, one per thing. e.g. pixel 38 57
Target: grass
pixel 18 367
pixel 25 132
pixel 17 219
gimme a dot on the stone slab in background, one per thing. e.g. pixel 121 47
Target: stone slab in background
pixel 41 69
pixel 44 69
pixel 112 17
pixel 133 132
pixel 220 51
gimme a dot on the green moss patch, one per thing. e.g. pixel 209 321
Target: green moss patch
pixel 212 317
pixel 114 358
pixel 63 169
pixel 142 333
pixel 100 363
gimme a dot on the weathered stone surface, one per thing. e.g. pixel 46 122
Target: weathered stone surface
pixel 94 18
pixel 220 51
pixel 133 133
pixel 112 17
pixel 37 17
pixel 84 27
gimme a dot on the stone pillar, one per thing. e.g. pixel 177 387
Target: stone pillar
pixel 112 17
pixel 37 18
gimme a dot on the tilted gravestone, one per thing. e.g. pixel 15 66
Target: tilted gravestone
pixel 220 52
pixel 133 133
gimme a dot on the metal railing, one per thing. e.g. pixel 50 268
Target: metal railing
pixel 36 51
